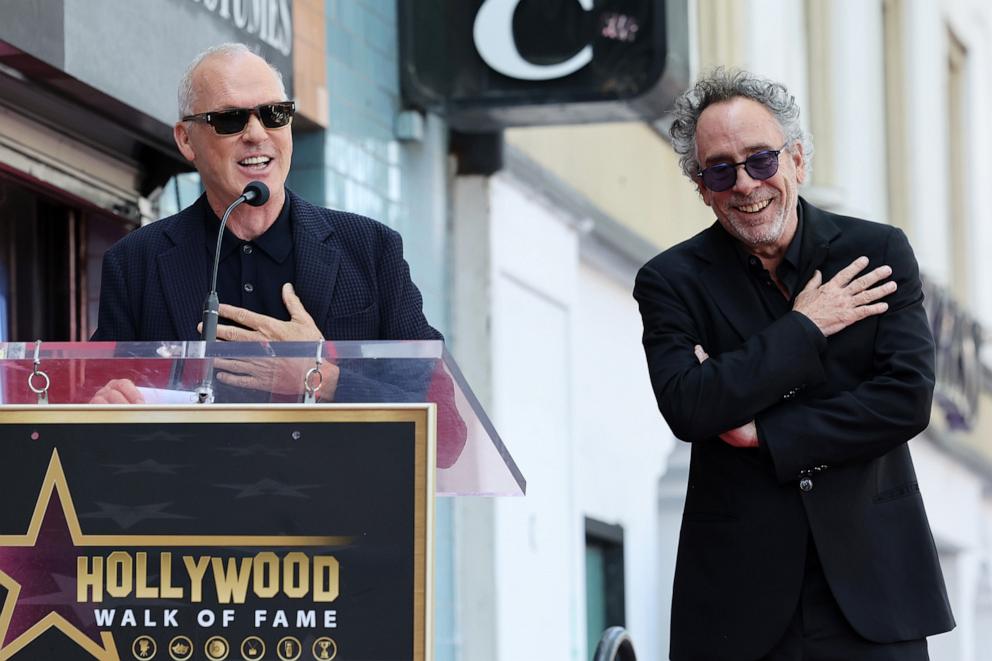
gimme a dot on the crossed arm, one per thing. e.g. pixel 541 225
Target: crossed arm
pixel 737 395
pixel 832 307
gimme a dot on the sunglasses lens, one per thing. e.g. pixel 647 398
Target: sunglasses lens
pixel 227 122
pixel 276 115
pixel 719 177
pixel 762 165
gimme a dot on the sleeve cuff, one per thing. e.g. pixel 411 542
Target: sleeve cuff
pixel 763 448
pixel 816 337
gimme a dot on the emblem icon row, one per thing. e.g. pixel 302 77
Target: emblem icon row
pixel 217 648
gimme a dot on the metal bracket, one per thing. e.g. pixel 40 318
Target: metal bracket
pixel 37 372
pixel 314 378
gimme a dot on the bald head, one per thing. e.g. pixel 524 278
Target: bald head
pixel 190 85
pixel 235 80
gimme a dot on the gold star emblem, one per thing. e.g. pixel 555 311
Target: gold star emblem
pixel 27 625
pixel 47 551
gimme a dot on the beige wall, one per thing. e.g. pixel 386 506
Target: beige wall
pixel 627 170
pixel 310 62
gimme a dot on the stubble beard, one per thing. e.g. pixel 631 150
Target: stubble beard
pixel 763 235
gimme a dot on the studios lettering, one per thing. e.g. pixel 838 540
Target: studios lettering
pixel 268 20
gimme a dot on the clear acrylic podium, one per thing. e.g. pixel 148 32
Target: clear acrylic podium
pixel 473 461
pixel 269 522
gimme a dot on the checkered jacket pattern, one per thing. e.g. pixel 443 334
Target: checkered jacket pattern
pixel 350 275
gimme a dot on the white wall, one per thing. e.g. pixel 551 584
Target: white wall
pixel 776 44
pixel 926 60
pixel 533 287
pixel 856 72
pixel 622 445
pixel 568 389
pixel 570 395
pixel 971 21
pixel 954 502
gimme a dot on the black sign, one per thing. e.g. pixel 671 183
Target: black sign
pixel 487 64
pixel 233 532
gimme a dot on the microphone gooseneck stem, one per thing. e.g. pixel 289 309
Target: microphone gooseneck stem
pixel 220 236
pixel 212 304
pixel 256 194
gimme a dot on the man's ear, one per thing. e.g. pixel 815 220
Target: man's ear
pixel 799 160
pixel 180 132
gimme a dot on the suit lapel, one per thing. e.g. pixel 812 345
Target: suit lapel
pixel 820 231
pixel 184 272
pixel 732 293
pixel 316 259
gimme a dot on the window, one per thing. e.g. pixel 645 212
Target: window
pixel 51 251
pixel 604 579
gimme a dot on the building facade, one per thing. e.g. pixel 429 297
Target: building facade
pixel 527 268
pixel 894 93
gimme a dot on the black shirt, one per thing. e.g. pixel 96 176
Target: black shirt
pixel 793 273
pixel 252 273
pixel 788 272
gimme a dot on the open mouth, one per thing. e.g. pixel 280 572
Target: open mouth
pixel 255 163
pixel 755 207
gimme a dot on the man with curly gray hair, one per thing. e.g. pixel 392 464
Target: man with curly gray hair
pixel 789 346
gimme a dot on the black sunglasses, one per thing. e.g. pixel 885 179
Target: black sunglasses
pixel 229 122
pixel 760 166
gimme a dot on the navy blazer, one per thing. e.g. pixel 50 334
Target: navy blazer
pixel 839 410
pixel 350 275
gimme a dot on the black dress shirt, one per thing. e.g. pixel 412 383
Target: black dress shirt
pixel 773 302
pixel 252 273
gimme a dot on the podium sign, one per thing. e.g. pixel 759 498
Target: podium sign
pixel 217 532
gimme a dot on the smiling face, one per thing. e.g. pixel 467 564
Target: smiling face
pixel 227 163
pixel 760 213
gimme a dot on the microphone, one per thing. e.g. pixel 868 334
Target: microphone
pixel 255 194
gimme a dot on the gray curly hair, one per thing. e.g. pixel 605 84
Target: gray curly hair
pixel 722 84
pixel 187 96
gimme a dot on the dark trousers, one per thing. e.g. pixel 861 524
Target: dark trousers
pixel 820 632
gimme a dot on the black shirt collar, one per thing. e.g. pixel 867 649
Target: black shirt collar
pixel 788 270
pixel 276 242
pixel 792 254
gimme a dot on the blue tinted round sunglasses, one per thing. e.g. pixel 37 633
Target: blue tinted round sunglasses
pixel 759 166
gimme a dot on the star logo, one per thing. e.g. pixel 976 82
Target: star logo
pixel 29 567
pixel 160 436
pixel 255 450
pixel 269 487
pixel 34 567
pixel 147 466
pixel 126 517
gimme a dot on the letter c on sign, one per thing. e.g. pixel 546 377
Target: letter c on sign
pixel 493 34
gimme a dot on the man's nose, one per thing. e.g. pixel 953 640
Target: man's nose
pixel 254 131
pixel 745 183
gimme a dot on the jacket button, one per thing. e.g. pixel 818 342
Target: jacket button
pixel 806 484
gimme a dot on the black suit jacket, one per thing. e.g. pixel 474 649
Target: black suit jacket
pixel 350 275
pixel 846 405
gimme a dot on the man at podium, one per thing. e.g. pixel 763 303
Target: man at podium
pixel 288 270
